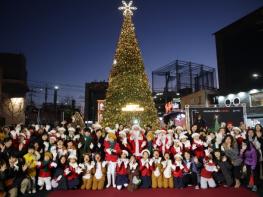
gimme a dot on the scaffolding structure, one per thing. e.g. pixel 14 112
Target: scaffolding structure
pixel 179 76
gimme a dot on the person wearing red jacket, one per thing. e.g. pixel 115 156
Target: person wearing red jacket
pixel 44 178
pixel 207 173
pixel 72 172
pixel 198 146
pixel 145 169
pixel 178 171
pixel 112 151
pixel 137 141
pixel 121 170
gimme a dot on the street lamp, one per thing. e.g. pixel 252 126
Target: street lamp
pixel 255 75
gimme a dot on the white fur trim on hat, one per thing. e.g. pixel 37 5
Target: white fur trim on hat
pixel 122 133
pixel 146 150
pixel 136 127
pixel 195 135
pixel 237 129
pixel 71 129
pixel 178 155
pixel 183 137
pixel 179 128
pixel 72 156
pixel 126 152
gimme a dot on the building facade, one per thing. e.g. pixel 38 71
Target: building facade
pixel 94 92
pixel 239 54
pixel 13 88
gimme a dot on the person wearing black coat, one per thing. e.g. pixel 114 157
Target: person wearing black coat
pixel 224 174
pixel 59 181
pixel 99 143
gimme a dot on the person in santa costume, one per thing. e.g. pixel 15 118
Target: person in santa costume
pixel 167 172
pixel 121 171
pixel 162 142
pixel 177 147
pixel 72 172
pixel 156 167
pixel 178 170
pixel 207 173
pixel 87 167
pixel 44 177
pixel 112 151
pixel 145 169
pixel 198 146
pixel 186 144
pixel 99 172
pixel 137 141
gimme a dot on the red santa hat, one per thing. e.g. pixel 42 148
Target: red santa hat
pixel 52 132
pixel 54 137
pixel 125 152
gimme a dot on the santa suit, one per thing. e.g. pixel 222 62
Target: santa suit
pixel 198 147
pixel 167 174
pixel 137 143
pixel 44 177
pixel 146 173
pixel 186 146
pixel 176 150
pixel 163 143
pixel 87 176
pixel 99 172
pixel 156 168
pixel 207 175
pixel 112 150
pixel 122 173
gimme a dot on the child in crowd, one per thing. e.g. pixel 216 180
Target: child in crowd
pixel 145 169
pixel 87 167
pixel 178 171
pixel 121 171
pixel 156 167
pixel 99 172
pixel 167 167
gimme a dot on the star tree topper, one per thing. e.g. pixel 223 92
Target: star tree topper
pixel 127 8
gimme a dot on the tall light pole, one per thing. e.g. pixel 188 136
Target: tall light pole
pixel 56 88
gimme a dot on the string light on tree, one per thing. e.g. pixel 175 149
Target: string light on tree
pixel 127 8
pixel 129 96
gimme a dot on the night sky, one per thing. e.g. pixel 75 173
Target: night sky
pixel 73 41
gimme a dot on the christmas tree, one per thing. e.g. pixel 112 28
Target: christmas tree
pixel 129 99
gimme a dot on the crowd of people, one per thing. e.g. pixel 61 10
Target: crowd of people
pixel 42 157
